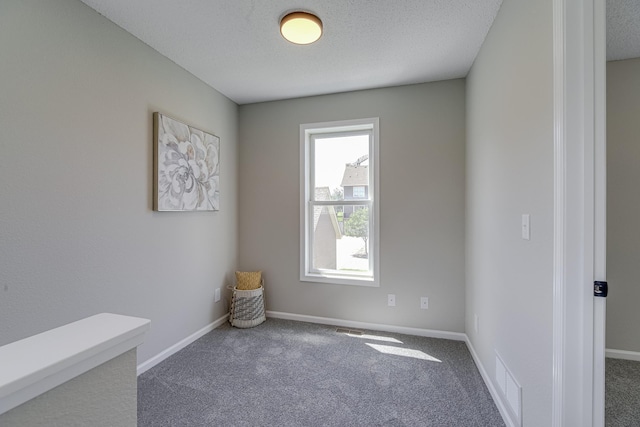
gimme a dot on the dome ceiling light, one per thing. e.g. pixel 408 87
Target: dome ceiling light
pixel 301 27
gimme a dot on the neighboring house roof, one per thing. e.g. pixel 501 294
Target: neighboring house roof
pixel 324 194
pixel 355 176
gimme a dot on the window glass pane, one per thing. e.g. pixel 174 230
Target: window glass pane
pixel 358 192
pixel 340 164
pixel 341 244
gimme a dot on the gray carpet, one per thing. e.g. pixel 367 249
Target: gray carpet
pixel 285 373
pixel 622 393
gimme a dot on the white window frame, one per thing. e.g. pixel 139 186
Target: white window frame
pixel 307 134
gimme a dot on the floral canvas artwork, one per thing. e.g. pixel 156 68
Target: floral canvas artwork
pixel 187 167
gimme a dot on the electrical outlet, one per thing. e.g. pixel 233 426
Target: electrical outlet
pixel 391 300
pixel 216 295
pixel 424 303
pixel 526 228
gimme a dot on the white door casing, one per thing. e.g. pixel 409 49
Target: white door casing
pixel 579 212
pixel 600 214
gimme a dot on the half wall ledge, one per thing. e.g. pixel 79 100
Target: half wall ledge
pixel 35 365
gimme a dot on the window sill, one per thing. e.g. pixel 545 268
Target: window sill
pixel 337 279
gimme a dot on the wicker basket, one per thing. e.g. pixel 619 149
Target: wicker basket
pixel 247 307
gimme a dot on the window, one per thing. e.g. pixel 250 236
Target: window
pixel 339 202
pixel 358 192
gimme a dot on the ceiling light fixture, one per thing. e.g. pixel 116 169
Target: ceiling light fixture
pixel 301 27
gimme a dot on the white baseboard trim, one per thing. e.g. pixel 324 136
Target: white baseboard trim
pixel 431 333
pixel 497 397
pixel 622 354
pixel 150 363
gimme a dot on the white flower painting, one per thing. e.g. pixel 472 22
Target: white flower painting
pixel 187 164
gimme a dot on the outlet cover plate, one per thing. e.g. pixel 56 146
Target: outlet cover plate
pixel 424 303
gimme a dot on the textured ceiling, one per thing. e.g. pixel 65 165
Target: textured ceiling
pixel 623 29
pixel 235 45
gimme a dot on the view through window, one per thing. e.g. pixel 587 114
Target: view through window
pixel 339 208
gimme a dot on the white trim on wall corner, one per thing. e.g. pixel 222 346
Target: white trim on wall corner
pixel 430 333
pixel 578 99
pixel 622 354
pixel 559 213
pixel 150 363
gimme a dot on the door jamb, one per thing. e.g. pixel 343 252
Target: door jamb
pixel 578 97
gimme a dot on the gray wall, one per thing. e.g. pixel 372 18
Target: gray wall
pixel 77 233
pixel 105 396
pixel 510 173
pixel 422 131
pixel 623 204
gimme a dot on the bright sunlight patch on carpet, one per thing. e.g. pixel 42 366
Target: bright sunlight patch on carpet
pixel 376 338
pixel 405 352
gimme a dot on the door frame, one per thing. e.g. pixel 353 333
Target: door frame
pixel 579 97
pixel 600 208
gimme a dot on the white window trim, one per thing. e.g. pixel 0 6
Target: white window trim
pixel 306 131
